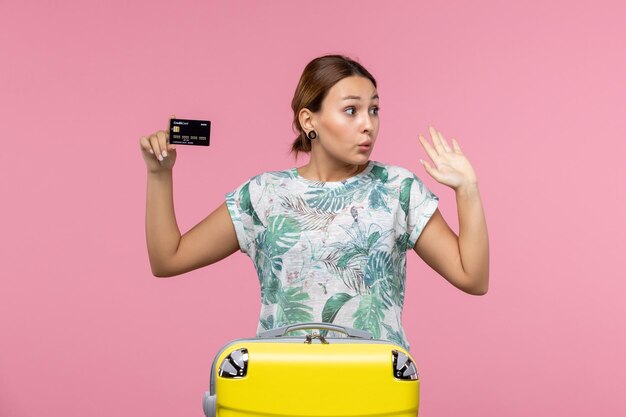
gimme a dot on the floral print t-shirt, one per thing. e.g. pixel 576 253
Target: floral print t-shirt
pixel 332 252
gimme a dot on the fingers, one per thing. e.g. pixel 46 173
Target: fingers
pixel 436 140
pixel 156 148
pixel 456 146
pixel 432 152
pixel 156 144
pixel 441 144
pixel 444 142
pixel 162 138
pixel 144 143
pixel 431 171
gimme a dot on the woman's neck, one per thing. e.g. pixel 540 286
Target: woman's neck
pixel 316 170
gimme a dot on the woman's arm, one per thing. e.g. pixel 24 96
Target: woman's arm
pixel 463 260
pixel 212 239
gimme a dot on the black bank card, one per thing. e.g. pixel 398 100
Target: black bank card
pixel 190 132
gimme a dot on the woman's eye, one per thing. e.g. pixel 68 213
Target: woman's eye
pixel 350 110
pixel 375 110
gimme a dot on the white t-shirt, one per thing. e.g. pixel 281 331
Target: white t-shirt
pixel 332 252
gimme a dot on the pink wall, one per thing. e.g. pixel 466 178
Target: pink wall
pixel 534 91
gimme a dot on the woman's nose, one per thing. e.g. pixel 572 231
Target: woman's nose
pixel 367 123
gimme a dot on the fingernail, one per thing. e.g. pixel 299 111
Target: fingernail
pixel 164 154
pixel 151 151
pixel 159 157
pixel 421 162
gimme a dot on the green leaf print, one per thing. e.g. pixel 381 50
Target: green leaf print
pixel 378 197
pixel 380 173
pixel 282 234
pixel 291 309
pixel 246 204
pixel 381 279
pixel 351 274
pixel 333 199
pixel 376 202
pixel 419 183
pixel 395 336
pixel 267 265
pixel 270 289
pixel 381 193
pixel 379 269
pixel 369 315
pixel 405 194
pixel 402 243
pixel 309 218
pixel 267 323
pixel 280 174
pixel 360 241
pixel 372 239
pixel 398 277
pixel 347 258
pixel 333 305
pixel 360 194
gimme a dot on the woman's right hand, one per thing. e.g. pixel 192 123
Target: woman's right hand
pixel 156 150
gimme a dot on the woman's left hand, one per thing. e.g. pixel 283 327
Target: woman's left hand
pixel 451 168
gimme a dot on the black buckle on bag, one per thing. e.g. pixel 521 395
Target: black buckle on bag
pixel 309 338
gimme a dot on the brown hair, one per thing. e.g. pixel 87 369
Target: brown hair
pixel 317 78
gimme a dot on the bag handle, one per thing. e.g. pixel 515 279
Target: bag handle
pixel 282 331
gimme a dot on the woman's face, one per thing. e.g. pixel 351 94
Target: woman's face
pixel 347 123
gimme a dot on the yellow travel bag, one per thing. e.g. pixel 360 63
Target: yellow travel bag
pixel 312 375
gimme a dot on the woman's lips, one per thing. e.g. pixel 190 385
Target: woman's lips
pixel 364 147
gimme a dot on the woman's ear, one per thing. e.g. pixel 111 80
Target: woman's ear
pixel 305 117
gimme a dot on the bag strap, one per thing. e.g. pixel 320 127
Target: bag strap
pixel 282 331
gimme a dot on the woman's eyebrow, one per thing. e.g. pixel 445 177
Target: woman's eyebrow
pixel 375 96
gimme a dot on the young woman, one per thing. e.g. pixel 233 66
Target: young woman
pixel 329 239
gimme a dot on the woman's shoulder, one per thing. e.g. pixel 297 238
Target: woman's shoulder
pixel 392 171
pixel 272 177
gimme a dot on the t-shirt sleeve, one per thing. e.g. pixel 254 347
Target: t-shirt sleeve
pixel 243 216
pixel 420 207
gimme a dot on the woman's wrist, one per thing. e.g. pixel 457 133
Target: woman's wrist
pixel 467 189
pixel 161 173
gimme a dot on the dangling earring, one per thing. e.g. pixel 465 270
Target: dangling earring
pixel 311 135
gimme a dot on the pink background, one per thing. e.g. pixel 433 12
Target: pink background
pixel 534 91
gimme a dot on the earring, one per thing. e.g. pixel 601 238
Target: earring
pixel 311 135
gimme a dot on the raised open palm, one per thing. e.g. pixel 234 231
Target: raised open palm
pixel 451 168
